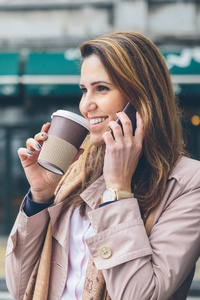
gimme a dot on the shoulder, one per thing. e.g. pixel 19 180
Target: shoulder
pixel 182 192
pixel 187 172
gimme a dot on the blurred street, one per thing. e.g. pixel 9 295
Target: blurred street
pixel 40 73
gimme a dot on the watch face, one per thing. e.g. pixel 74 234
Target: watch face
pixel 108 195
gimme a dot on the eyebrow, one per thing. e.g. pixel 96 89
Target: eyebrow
pixel 96 82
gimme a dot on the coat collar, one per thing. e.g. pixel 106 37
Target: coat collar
pixel 179 167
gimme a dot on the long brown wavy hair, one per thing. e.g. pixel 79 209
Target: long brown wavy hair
pixel 138 70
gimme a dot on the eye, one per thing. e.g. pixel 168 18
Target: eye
pixel 84 90
pixel 102 88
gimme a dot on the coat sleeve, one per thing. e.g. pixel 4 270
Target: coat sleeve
pixel 138 267
pixel 23 249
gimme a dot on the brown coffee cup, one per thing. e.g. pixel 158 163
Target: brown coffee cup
pixel 65 136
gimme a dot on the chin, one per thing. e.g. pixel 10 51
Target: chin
pixel 97 142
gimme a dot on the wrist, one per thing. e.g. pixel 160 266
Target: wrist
pixel 114 194
pixel 41 196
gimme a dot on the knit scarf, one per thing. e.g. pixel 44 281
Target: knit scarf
pixel 94 287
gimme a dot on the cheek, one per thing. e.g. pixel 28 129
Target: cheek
pixel 118 104
pixel 81 107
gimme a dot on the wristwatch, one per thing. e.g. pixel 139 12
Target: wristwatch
pixel 112 195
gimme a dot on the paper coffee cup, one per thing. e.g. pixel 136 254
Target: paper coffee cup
pixel 65 136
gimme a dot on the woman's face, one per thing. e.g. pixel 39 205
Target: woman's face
pixel 101 99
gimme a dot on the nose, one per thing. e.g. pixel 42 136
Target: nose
pixel 87 103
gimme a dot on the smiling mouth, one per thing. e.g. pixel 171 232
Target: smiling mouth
pixel 97 120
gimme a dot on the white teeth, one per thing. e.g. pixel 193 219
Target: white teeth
pixel 95 121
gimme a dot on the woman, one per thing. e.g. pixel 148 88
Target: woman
pixel 102 251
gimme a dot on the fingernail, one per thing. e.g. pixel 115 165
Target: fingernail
pixel 43 134
pixel 30 152
pixel 38 146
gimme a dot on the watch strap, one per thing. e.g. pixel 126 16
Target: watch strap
pixel 123 194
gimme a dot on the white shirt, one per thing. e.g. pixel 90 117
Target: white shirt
pixel 80 230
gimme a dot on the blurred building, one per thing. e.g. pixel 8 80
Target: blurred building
pixel 40 67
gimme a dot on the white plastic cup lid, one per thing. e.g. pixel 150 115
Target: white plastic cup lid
pixel 72 116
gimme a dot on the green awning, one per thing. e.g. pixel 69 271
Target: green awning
pixel 9 74
pixel 51 74
pixel 184 67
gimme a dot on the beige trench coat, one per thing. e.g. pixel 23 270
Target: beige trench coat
pixel 140 268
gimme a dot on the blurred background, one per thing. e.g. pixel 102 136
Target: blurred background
pixel 40 67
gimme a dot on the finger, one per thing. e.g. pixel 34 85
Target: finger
pixel 32 144
pixel 126 124
pixel 116 129
pixel 41 136
pixel 45 127
pixel 108 138
pixel 24 153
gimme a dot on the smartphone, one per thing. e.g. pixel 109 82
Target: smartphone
pixel 131 113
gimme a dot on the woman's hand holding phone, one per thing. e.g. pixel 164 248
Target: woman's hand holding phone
pixel 131 113
pixel 122 152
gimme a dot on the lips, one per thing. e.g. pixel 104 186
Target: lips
pixel 97 120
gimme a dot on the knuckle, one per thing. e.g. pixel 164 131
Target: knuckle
pixel 118 128
pixel 114 125
pixel 127 122
pixel 129 144
pixel 36 136
pixel 28 141
pixel 19 151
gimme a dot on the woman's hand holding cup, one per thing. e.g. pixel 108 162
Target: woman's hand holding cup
pixel 44 168
pixel 42 182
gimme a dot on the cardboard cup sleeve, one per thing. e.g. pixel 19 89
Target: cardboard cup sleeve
pixel 59 158
pixel 65 136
